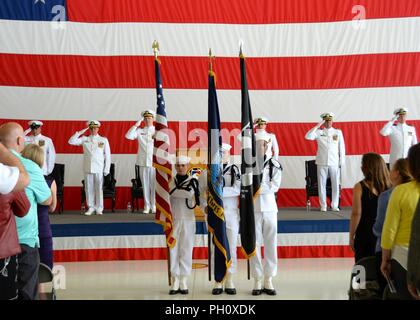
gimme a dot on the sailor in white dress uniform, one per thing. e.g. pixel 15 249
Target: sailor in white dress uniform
pixel 96 164
pixel 330 157
pixel 145 138
pixel 401 135
pixel 184 197
pixel 46 143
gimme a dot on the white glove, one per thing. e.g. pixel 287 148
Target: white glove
pixel 320 123
pixel 395 117
pixel 82 131
pixel 106 173
pixel 138 123
pixel 27 131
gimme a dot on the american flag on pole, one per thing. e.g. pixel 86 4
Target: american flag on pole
pixel 162 163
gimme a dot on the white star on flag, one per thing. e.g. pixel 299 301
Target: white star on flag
pixel 36 1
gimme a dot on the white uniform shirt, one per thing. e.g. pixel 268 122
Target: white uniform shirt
pixel 180 211
pixel 145 139
pixel 266 199
pixel 8 178
pixel 96 152
pixel 402 137
pixel 231 192
pixel 331 147
pixel 272 147
pixel 49 151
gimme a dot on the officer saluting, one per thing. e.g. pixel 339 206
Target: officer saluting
pixel 96 164
pixel 273 146
pixel 185 196
pixel 44 142
pixel 265 212
pixel 329 158
pixel 401 135
pixel 145 138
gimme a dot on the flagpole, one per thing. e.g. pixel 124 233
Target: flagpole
pixel 155 47
pixel 209 238
pixel 241 56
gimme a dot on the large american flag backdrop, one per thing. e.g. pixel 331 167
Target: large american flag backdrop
pixel 304 57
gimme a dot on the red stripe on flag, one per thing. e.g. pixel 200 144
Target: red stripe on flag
pixel 236 11
pixel 285 198
pixel 284 252
pixel 326 72
pixel 360 137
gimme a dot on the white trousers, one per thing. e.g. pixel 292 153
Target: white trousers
pixel 232 232
pixel 93 189
pixel 181 253
pixel 334 173
pixel 266 234
pixel 148 181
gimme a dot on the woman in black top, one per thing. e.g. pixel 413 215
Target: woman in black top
pixel 365 204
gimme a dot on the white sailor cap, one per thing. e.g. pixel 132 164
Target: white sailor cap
pixel 226 147
pixel 261 120
pixel 35 123
pixel 183 160
pixel 263 135
pixel 148 114
pixel 327 116
pixel 400 111
pixel 93 123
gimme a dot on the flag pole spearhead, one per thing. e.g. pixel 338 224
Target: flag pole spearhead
pixel 155 47
pixel 211 58
pixel 241 43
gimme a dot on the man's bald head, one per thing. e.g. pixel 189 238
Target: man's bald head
pixel 12 136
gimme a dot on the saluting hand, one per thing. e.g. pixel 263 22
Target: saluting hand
pixel 320 123
pixel 83 131
pixel 138 123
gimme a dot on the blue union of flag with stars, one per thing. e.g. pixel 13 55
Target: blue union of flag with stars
pixel 35 10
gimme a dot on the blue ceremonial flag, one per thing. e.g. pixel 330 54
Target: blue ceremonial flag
pixel 215 211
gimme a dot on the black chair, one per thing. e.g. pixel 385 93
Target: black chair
pixel 58 176
pixel 368 278
pixel 136 190
pixel 311 178
pixel 46 276
pixel 109 188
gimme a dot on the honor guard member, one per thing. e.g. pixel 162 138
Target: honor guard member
pixel 35 128
pixel 401 135
pixel 330 158
pixel 265 213
pixel 231 192
pixel 145 138
pixel 273 146
pixel 185 196
pixel 96 164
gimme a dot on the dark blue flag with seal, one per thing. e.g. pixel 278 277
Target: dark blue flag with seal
pixel 215 211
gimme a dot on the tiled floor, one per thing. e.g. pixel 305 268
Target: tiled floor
pixel 300 279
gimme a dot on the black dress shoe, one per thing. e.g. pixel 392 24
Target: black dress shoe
pixel 183 291
pixel 270 292
pixel 217 291
pixel 172 292
pixel 230 291
pixel 256 292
